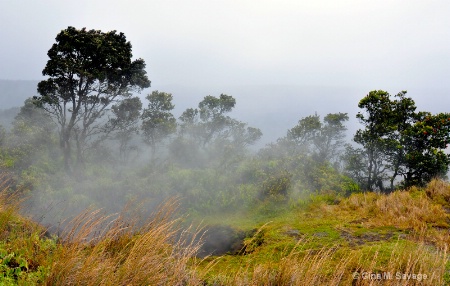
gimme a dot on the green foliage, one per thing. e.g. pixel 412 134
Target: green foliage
pixel 426 141
pixel 12 266
pixel 276 185
pixel 208 137
pixel 306 174
pixel 213 108
pixel 6 160
pixel 398 141
pixel 88 72
pixel 321 139
pixel 157 120
pixel 125 123
pixel 24 251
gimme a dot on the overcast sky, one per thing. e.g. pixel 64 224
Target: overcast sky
pixel 220 46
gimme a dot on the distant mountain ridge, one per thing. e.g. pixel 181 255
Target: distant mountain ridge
pixel 14 92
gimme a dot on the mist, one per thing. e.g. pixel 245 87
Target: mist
pixel 190 170
pixel 218 175
pixel 251 113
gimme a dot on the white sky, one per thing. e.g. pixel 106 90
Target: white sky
pixel 218 45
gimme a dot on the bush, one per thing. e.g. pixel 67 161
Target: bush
pixel 276 185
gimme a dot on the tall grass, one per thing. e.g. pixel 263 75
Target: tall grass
pixel 397 264
pixel 402 209
pixel 121 249
pixel 418 257
pixel 96 251
pixel 25 254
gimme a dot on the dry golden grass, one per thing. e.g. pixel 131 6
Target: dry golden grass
pixel 95 252
pixel 406 264
pixel 412 258
pixel 100 250
pixel 402 209
pixel 119 250
pixel 9 201
pixel 439 191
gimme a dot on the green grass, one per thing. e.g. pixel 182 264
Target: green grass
pixel 323 242
pixel 356 234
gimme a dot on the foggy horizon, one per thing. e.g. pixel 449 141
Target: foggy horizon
pixel 290 58
pixel 364 44
pixel 247 131
pixel 281 61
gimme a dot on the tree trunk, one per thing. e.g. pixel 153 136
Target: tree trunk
pixel 65 144
pixel 370 171
pixel 80 157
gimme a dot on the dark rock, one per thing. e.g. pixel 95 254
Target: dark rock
pixel 220 240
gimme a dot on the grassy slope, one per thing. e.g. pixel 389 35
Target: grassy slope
pixel 326 244
pixel 316 243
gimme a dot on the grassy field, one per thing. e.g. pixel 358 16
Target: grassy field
pixel 401 238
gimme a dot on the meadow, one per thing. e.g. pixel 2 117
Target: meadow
pixel 366 238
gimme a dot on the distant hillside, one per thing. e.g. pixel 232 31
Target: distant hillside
pixel 14 92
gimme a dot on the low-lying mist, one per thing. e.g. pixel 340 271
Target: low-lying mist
pixel 138 154
pixel 205 157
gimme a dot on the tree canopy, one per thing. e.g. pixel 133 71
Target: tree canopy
pixel 88 71
pixel 323 139
pixel 398 141
pixel 157 120
pixel 209 130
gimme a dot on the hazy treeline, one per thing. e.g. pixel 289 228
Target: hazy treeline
pixel 204 157
pixel 86 139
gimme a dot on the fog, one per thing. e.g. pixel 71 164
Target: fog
pixel 282 61
pixel 290 58
pixel 321 43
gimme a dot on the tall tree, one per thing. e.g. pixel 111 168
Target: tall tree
pixel 400 142
pixel 89 71
pixel 33 120
pixel 426 141
pixel 158 121
pixel 212 112
pixel 32 137
pixel 209 121
pixel 403 118
pixel 208 128
pixel 378 121
pixel 124 123
pixel 323 139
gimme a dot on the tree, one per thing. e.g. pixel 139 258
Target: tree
pixel 208 121
pixel 32 137
pixel 157 120
pixel 208 129
pixel 33 120
pixel 356 163
pixel 398 141
pixel 378 122
pixel 88 72
pixel 323 139
pixel 125 123
pixel 211 110
pixel 425 142
pixel 305 132
pixel 403 117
